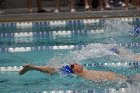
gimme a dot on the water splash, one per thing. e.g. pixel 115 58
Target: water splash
pixel 117 27
pixel 96 50
pixel 93 51
pixel 61 60
pixel 114 27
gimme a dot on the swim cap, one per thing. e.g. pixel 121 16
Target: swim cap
pixel 136 31
pixel 67 69
pixel 115 50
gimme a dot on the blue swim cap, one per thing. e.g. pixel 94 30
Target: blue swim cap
pixel 66 69
pixel 115 50
pixel 136 31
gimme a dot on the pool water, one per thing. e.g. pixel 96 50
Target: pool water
pixel 60 42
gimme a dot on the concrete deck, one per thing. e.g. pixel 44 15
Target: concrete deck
pixel 12 15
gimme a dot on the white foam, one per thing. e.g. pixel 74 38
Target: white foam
pixel 93 50
pixel 116 27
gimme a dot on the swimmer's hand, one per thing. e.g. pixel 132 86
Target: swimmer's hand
pixel 25 69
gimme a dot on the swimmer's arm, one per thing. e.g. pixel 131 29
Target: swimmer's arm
pixel 130 55
pixel 45 69
pixel 137 58
pixel 127 54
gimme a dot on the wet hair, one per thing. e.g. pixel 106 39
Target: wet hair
pixel 72 66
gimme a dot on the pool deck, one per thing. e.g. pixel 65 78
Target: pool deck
pixel 14 15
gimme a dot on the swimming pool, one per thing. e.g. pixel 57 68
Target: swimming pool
pixel 62 42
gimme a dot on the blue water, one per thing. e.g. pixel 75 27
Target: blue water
pixel 115 32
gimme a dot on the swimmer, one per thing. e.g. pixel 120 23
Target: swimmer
pixel 99 50
pixel 126 54
pixel 77 69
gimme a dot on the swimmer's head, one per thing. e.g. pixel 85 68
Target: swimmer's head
pixel 115 50
pixel 76 68
pixel 136 31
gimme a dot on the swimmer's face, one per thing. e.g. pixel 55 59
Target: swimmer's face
pixel 76 68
